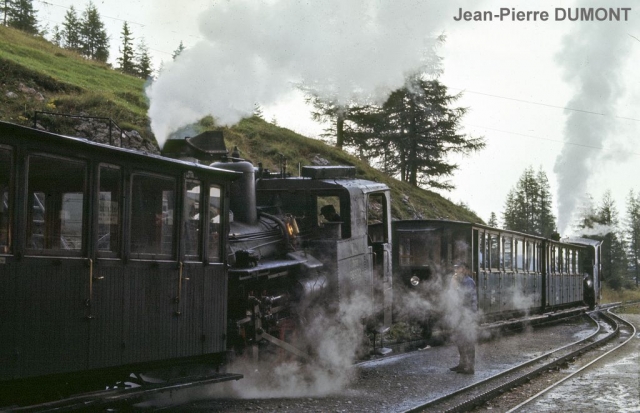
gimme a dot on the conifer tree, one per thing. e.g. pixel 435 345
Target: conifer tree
pixel 528 205
pixel 493 220
pixel 633 234
pixel 412 133
pixel 71 31
pixel 93 35
pixel 177 52
pixel 22 16
pixel 143 65
pixel 5 11
pixel 56 36
pixel 614 257
pixel 125 61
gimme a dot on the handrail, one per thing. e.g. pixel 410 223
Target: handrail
pixel 111 123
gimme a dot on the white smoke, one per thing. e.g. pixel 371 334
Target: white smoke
pixel 592 56
pixel 256 51
pixel 333 338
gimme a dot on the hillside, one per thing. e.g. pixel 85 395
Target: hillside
pixel 38 76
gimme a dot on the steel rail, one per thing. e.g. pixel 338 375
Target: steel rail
pixel 580 370
pixel 486 382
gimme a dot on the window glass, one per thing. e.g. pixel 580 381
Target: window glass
pixel 519 255
pixel 328 209
pixel 420 248
pixel 508 256
pixel 214 223
pixel 152 216
pixel 494 250
pixel 481 250
pixel 109 222
pixel 376 218
pixel 192 219
pixel 56 199
pixel 5 203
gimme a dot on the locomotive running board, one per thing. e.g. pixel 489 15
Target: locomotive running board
pixel 284 345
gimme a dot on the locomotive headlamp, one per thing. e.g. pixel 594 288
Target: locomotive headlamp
pixel 589 283
pixel 415 280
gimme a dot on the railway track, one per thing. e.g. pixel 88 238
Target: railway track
pixel 608 325
pixel 625 332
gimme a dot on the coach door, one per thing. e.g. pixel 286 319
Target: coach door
pixel 51 297
pixel 378 229
pixel 201 285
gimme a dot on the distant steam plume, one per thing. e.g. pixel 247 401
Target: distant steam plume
pixel 254 51
pixel 592 57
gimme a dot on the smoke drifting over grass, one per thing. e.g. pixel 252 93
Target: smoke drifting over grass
pixel 255 51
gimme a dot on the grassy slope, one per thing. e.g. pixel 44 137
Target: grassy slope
pixel 71 84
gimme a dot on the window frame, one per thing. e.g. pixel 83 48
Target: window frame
pixel 33 252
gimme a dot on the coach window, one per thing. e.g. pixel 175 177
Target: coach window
pixel 214 224
pixel 152 216
pixel 519 255
pixel 192 219
pixel 481 245
pixel 56 193
pixel 109 212
pixel 508 253
pixel 5 201
pixel 494 250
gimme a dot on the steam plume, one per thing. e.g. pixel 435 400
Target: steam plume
pixel 592 57
pixel 254 51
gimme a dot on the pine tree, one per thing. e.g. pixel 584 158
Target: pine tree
pixel 257 111
pixel 56 36
pixel 546 221
pixel 22 16
pixel 586 215
pixel 614 257
pixel 493 220
pixel 125 61
pixel 633 234
pixel 177 52
pixel 412 133
pixel 71 31
pixel 93 35
pixel 143 65
pixel 5 11
pixel 528 205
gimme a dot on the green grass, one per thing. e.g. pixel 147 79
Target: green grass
pixel 624 295
pixel 71 84
pixel 69 70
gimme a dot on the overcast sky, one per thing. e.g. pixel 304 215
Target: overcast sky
pixel 560 95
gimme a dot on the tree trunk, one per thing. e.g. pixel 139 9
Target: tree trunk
pixel 340 131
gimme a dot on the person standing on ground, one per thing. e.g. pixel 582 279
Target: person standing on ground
pixel 465 331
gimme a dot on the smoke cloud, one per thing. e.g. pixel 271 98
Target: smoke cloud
pixel 592 57
pixel 257 51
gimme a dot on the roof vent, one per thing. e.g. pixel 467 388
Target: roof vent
pixel 207 147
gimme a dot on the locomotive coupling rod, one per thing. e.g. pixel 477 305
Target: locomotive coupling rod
pixel 284 345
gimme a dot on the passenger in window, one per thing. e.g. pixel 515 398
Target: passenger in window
pixel 464 332
pixel 215 215
pixel 329 213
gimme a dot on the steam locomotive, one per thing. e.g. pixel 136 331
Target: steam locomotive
pixel 112 260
